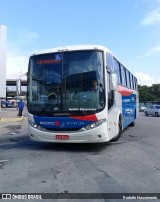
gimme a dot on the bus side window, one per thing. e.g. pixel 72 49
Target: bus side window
pixel 110 92
pixel 109 59
pixel 130 75
pixel 128 79
pixel 136 84
pixel 133 82
pixel 123 73
pixel 117 70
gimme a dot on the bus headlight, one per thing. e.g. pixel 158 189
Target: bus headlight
pixel 34 125
pixel 94 124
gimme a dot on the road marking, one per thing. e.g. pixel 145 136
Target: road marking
pixel 11 119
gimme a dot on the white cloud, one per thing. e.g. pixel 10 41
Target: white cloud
pixel 22 37
pixel 18 53
pixel 151 52
pixel 16 65
pixel 154 50
pixel 27 37
pixel 145 79
pixel 152 18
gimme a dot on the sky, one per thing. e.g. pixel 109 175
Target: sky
pixel 129 28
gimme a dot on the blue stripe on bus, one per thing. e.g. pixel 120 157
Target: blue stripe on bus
pixel 128 109
pixel 61 122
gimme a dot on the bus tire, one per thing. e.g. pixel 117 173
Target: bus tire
pixel 119 131
pixel 132 124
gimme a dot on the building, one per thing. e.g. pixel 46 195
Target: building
pixel 3 58
pixel 11 88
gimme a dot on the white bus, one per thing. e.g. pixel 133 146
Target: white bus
pixel 79 94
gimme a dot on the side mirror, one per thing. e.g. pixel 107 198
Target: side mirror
pixel 113 81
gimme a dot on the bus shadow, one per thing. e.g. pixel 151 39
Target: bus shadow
pixel 73 147
pixel 27 144
pixel 24 143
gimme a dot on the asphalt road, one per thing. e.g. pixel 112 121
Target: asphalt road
pixel 131 165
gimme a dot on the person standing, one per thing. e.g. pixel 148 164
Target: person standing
pixel 20 107
pixel 94 85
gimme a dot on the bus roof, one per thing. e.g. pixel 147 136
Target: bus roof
pixel 73 48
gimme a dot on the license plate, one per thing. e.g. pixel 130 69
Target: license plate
pixel 62 137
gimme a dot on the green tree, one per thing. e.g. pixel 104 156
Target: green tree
pixel 145 94
pixel 155 90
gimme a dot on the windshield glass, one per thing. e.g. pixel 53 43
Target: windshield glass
pixel 158 107
pixel 66 83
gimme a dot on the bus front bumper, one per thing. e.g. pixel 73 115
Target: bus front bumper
pixel 95 135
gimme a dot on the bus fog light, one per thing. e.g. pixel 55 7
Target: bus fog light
pixel 94 124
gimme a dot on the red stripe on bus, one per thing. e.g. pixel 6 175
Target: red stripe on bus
pixel 86 118
pixel 124 91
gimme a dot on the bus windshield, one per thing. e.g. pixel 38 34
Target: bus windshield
pixel 66 83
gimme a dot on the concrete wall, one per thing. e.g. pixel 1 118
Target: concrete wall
pixel 3 58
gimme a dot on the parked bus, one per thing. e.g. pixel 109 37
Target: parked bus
pixel 79 94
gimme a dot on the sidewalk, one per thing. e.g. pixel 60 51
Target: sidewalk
pixel 9 115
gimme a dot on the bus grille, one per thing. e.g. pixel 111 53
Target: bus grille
pixel 62 129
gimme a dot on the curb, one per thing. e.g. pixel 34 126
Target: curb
pixel 11 119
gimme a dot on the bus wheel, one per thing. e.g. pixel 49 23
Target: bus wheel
pixel 132 124
pixel 119 131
